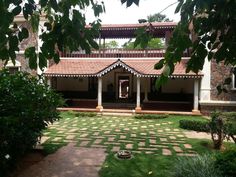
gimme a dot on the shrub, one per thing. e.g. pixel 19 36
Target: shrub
pixel 199 166
pixel 222 126
pixel 151 116
pixel 27 107
pixel 85 114
pixel 200 126
pixel 226 163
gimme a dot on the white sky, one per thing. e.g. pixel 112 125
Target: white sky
pixel 116 13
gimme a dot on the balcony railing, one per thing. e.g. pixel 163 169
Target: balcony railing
pixel 119 53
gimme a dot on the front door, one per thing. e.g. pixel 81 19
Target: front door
pixel 123 86
pixel 123 83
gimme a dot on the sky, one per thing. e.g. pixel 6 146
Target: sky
pixel 116 13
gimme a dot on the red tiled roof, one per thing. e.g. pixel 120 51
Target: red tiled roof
pixel 138 25
pixel 128 30
pixel 99 67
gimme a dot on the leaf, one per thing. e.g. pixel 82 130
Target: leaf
pixel 32 56
pixel 23 34
pixel 13 43
pixel 166 71
pixel 56 58
pixel 42 61
pixel 161 81
pixel 17 10
pixel 160 64
pixel 228 81
pixel 34 20
pixel 54 5
pixel 219 89
pixel 43 3
pixel 179 6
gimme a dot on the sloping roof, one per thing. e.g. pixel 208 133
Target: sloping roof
pixel 99 67
pixel 128 30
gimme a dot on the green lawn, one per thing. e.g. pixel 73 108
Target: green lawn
pixel 155 143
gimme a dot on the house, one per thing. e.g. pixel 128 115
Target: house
pixel 125 78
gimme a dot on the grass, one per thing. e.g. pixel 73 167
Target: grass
pixel 90 127
pixel 141 165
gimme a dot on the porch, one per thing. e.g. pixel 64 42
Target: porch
pixel 127 85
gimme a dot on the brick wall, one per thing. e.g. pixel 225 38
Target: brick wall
pixel 206 110
pixel 31 40
pixel 218 73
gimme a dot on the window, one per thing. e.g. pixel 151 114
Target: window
pixel 13 68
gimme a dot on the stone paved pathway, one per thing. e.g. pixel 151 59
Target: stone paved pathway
pixel 69 161
pixel 114 133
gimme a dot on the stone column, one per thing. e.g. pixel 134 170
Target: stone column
pixel 138 107
pixel 146 90
pixel 196 96
pixel 99 106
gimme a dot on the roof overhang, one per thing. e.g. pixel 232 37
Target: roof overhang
pixel 99 68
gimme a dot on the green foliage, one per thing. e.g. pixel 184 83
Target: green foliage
pixel 85 114
pixel 226 163
pixel 151 116
pixel 130 2
pixel 27 107
pixel 222 126
pixel 154 43
pixel 111 45
pixel 64 28
pixel 209 29
pixel 158 17
pixel 199 166
pixel 199 126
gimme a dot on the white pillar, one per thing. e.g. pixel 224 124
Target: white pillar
pixel 49 82
pixel 99 106
pixel 138 107
pixel 205 87
pixel 196 96
pixel 99 43
pixel 146 90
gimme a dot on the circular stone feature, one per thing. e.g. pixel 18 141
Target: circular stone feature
pixel 124 154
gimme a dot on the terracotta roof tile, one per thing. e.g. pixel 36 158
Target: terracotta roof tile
pixel 93 67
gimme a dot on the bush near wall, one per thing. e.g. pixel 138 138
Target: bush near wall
pixel 27 107
pixel 199 126
pixel 151 116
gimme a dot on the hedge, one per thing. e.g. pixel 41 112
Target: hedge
pixel 200 126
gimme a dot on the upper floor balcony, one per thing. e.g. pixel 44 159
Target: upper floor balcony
pixel 161 30
pixel 120 53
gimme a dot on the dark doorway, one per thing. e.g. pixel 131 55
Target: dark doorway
pixel 124 88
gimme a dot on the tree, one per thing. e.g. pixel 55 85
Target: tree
pixel 210 23
pixel 111 45
pixel 155 43
pixel 208 28
pixel 158 17
pixel 64 28
pixel 27 107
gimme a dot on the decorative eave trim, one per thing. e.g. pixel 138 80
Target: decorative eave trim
pixel 117 64
pixel 174 76
pixel 69 75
